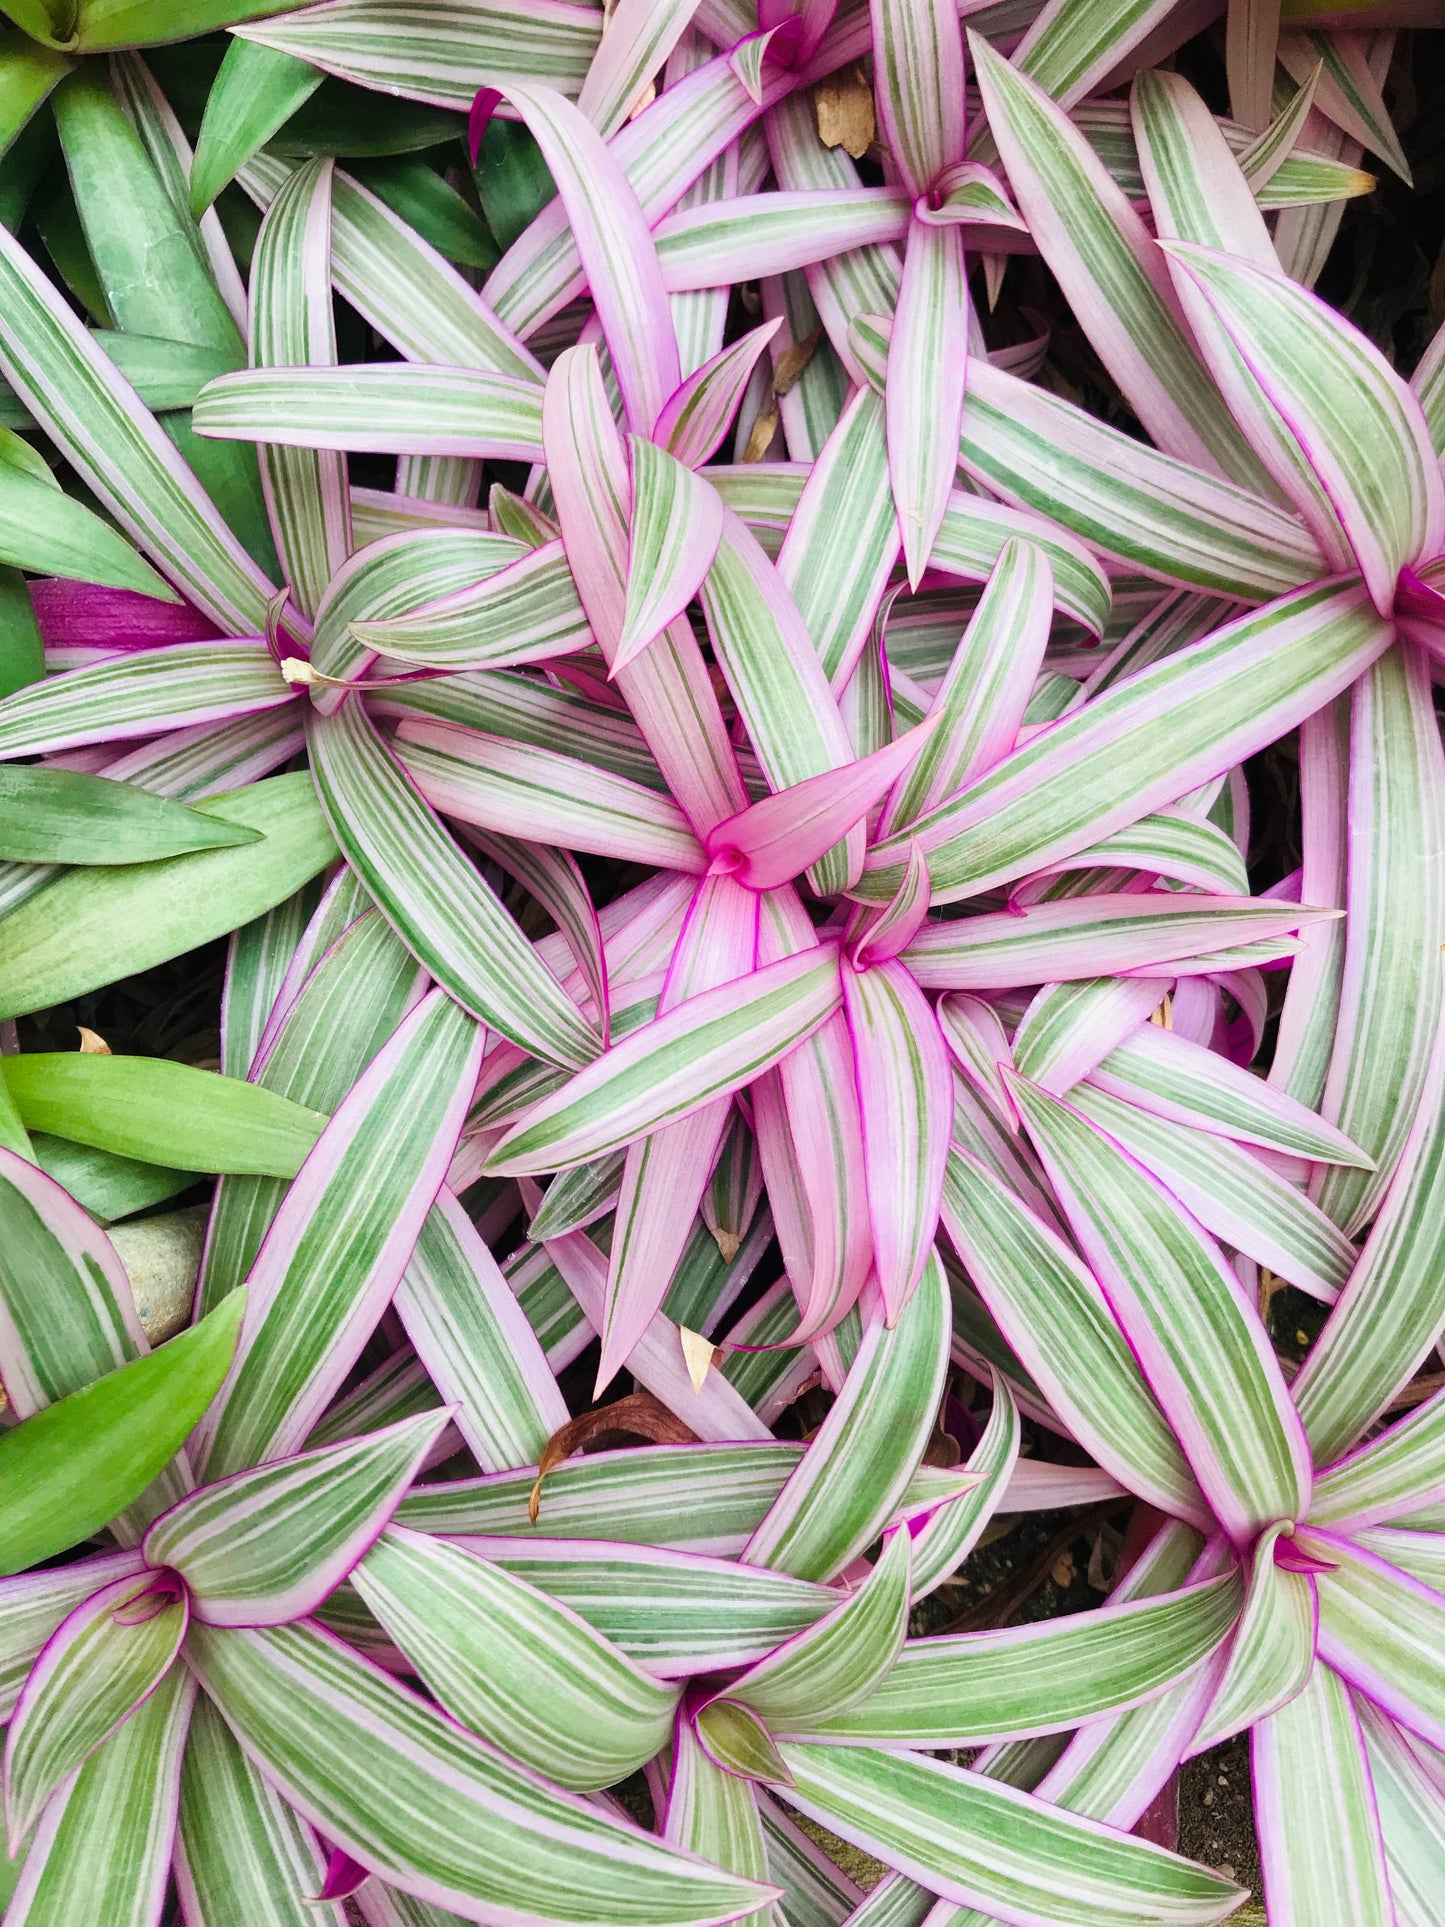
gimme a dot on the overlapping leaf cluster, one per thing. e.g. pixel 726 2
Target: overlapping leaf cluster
pixel 735 874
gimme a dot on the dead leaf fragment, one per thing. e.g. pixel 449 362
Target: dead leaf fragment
pixel 760 436
pixel 793 360
pixel 843 108
pixel 92 1044
pixel 698 1354
pixel 640 1414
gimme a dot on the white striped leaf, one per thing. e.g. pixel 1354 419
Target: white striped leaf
pixel 326 1031
pixel 1390 985
pixel 1401 1469
pixel 67 380
pixel 450 1820
pixel 980 1843
pixel 514 1666
pixel 842 537
pixel 541 797
pixel 837 1662
pixel 241 1853
pixel 959 1688
pixel 667 687
pixel 861 1458
pixel 1119 289
pixel 927 365
pixel 524 611
pixel 342 1237
pixel 96 1669
pixel 34 1604
pixel 1382 1630
pixel 436 901
pixel 1272 1652
pixel 475 1342
pixel 1392 1310
pixel 1168 843
pixel 269 1545
pixel 291 323
pixel 391 407
pixel 1069 49
pixel 705 1048
pixel 944 1539
pixel 1198 1339
pixel 1410 1805
pixel 976 1042
pixel 776 680
pixel 126 1796
pixel 713 1810
pixel 672 538
pixel 141 692
pixel 1133 504
pixel 985 691
pixel 1319 1832
pixel 613 240
pixel 1068 1028
pixel 1079 937
pixel 442 51
pixel 1356 423
pixel 409 293
pixel 713 244
pixel 67 1312
pixel 905 1104
pixel 1055 1316
pixel 1348 90
pixel 1232 1193
pixel 677 1614
pixel 1162 1071
pixel 1199 195
pixel 1144 743
pixel 637 40
pixel 918 49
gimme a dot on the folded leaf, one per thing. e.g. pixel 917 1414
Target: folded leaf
pixel 269 1545
pixel 1055 1316
pixel 1381 1629
pixel 1338 396
pixel 141 692
pixel 106 1658
pixel 1272 1652
pixel 676 527
pixel 1319 1832
pixel 1070 1027
pixel 1402 1468
pixel 521 1670
pixel 436 901
pixel 1081 937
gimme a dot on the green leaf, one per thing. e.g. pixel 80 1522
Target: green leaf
pixel 22 654
pixel 513 181
pixel 160 1112
pixel 71 1468
pixel 255 90
pixel 417 192
pixel 64 816
pixel 94 926
pixel 28 72
pixel 43 530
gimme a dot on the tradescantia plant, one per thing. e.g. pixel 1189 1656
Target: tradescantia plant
pixel 760 906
